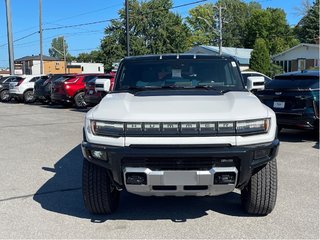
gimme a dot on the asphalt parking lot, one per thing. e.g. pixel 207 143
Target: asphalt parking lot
pixel 40 190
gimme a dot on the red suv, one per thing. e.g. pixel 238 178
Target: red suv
pixel 70 89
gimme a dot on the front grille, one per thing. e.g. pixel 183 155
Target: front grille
pixel 178 163
pixel 99 85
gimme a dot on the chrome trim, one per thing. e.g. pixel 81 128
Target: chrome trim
pixel 180 178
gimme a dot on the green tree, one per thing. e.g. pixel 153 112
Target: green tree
pixel 57 48
pixel 93 56
pixel 271 25
pixel 235 15
pixel 260 58
pixel 202 25
pixel 154 29
pixel 307 30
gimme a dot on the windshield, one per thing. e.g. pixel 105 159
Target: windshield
pixel 217 74
pixel 2 80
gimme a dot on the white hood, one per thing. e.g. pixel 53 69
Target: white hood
pixel 125 107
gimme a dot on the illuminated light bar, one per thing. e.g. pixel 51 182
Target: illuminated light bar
pixel 189 128
pixel 118 129
pixel 226 127
pixel 152 128
pixel 134 128
pixel 207 128
pixel 170 128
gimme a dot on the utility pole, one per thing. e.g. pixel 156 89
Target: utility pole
pixel 214 27
pixel 220 30
pixel 10 38
pixel 64 56
pixel 127 27
pixel 64 53
pixel 40 31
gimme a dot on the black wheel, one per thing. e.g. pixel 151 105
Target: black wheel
pixel 99 196
pixel 4 96
pixel 259 196
pixel 28 97
pixel 79 100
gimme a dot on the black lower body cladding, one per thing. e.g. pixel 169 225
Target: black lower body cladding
pixel 244 158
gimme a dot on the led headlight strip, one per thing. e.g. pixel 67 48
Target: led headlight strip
pixel 226 128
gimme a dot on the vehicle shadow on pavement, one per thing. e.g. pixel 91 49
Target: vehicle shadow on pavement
pixel 62 194
pixel 292 135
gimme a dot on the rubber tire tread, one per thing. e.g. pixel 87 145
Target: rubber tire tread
pixel 98 196
pixel 259 196
pixel 1 96
pixel 76 100
pixel 25 99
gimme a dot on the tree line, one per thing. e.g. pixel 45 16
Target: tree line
pixel 155 28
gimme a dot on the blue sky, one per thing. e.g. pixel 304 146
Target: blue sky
pixel 69 12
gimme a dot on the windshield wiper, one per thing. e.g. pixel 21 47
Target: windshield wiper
pixel 207 87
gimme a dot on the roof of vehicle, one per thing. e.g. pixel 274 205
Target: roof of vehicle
pixel 178 56
pixel 87 74
pixel 312 73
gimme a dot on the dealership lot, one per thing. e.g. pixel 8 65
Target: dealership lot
pixel 40 190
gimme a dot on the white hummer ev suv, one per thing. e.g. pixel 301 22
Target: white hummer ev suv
pixel 180 125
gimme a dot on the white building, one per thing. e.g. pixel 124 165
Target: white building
pixel 88 67
pixel 300 57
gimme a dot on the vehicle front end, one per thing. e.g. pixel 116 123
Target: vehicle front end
pixel 295 100
pixel 179 126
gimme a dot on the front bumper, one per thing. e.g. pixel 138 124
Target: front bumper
pixel 181 183
pixel 92 99
pixel 297 120
pixel 182 158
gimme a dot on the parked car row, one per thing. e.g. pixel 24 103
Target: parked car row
pixel 65 89
pixel 293 96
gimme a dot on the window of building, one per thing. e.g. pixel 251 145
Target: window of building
pixel 98 69
pixel 301 64
pixel 290 67
pixel 285 66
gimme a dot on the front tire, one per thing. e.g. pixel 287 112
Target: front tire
pixel 99 196
pixel 259 196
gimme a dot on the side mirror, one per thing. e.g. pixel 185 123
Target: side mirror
pixel 255 83
pixel 106 85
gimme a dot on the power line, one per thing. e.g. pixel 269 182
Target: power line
pixel 19 39
pixel 81 24
pixel 83 49
pixel 86 13
pixel 103 21
pixel 114 19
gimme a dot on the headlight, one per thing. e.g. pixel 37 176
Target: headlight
pixel 253 126
pixel 136 129
pixel 111 129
